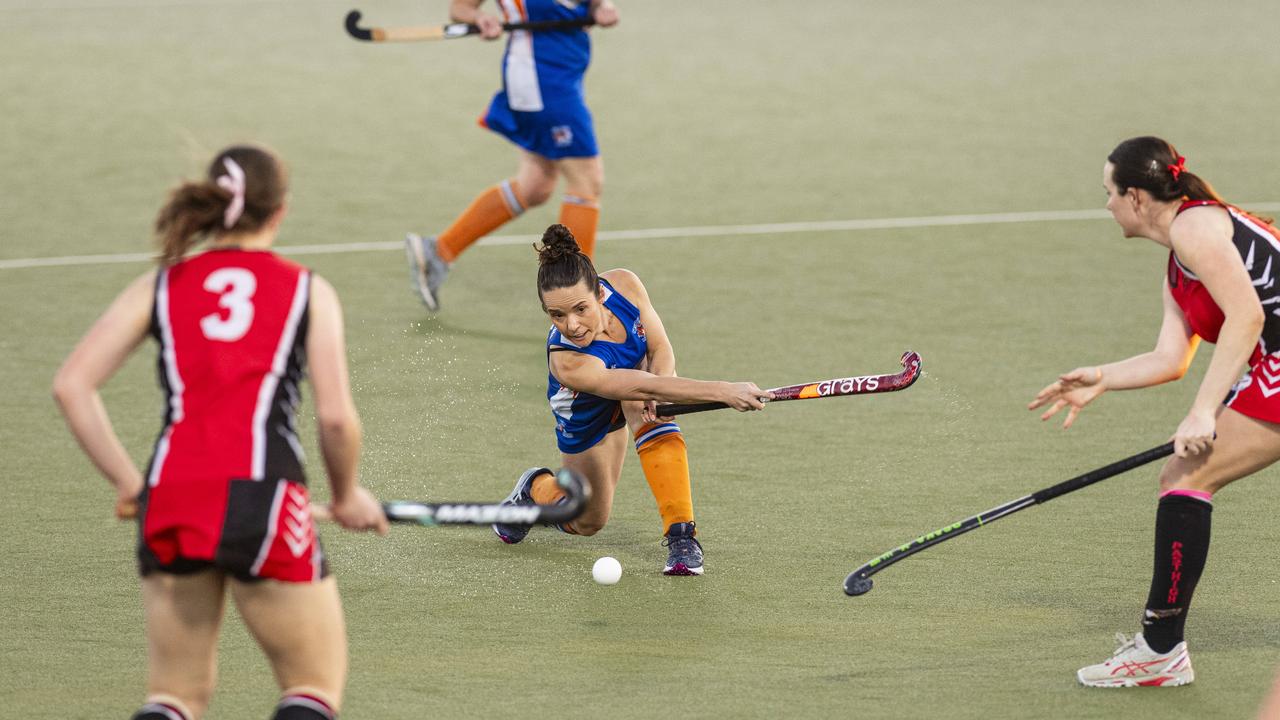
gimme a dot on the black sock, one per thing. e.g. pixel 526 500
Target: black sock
pixel 158 711
pixel 1182 545
pixel 301 706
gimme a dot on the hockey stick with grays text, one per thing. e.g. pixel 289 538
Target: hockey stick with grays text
pixel 413 33
pixel 859 581
pixel 403 511
pixel 861 385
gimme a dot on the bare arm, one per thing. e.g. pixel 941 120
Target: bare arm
pixel 1175 347
pixel 339 424
pixel 661 356
pixel 587 373
pixel 1202 239
pixel 468 11
pixel 604 13
pixel 93 361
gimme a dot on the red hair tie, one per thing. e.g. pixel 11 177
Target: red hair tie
pixel 1178 167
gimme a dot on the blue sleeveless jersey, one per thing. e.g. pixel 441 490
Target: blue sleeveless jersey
pixel 541 106
pixel 583 419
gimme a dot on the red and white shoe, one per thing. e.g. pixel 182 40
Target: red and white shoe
pixel 1135 664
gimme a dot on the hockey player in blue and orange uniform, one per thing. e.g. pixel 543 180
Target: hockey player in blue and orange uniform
pixel 1220 286
pixel 543 111
pixel 609 363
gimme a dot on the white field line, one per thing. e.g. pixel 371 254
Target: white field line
pixel 816 226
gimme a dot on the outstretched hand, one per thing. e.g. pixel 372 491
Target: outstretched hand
pixel 1072 390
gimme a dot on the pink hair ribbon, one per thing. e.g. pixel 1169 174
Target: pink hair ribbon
pixel 1178 167
pixel 232 182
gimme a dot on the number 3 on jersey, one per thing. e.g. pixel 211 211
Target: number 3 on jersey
pixel 235 287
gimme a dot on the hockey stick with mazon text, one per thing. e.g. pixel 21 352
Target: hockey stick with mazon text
pixel 859 581
pixel 860 385
pixel 414 33
pixel 403 511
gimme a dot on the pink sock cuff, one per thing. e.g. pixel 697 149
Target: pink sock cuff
pixel 1197 494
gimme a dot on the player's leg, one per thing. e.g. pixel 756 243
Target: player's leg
pixel 430 257
pixel 580 209
pixel 600 465
pixel 1158 655
pixel 183 615
pixel 301 629
pixel 665 462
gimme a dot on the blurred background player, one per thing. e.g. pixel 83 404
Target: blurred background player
pixel 225 501
pixel 541 108
pixel 610 362
pixel 1218 280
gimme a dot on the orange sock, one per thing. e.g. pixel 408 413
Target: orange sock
pixel 489 211
pixel 546 491
pixel 581 215
pixel 665 461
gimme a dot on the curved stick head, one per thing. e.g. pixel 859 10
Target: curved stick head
pixel 857 584
pixel 354 29
pixel 911 368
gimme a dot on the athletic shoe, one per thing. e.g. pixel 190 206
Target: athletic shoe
pixel 426 270
pixel 684 556
pixel 1135 664
pixel 521 494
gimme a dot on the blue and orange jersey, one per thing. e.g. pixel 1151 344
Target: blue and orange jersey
pixel 583 419
pixel 536 63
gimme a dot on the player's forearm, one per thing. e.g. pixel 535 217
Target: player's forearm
pixel 672 389
pixel 87 418
pixel 662 361
pixel 1145 370
pixel 1236 341
pixel 464 11
pixel 340 440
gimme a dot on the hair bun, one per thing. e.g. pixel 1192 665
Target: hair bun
pixel 557 243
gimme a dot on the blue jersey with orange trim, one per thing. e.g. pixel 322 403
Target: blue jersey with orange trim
pixel 541 106
pixel 583 419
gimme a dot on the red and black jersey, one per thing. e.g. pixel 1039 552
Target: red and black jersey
pixel 226 482
pixel 1259 246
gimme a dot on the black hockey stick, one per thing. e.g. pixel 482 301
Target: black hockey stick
pixel 861 385
pixel 859 581
pixel 448 32
pixel 404 511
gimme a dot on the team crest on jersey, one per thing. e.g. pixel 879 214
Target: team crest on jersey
pixel 562 135
pixel 637 329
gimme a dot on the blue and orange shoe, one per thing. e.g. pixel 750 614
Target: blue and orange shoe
pixel 521 494
pixel 684 552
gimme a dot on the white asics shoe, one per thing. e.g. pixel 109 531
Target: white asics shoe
pixel 1135 664
pixel 426 270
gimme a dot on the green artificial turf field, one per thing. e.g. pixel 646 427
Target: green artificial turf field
pixel 710 114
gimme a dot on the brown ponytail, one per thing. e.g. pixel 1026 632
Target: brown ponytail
pixel 199 209
pixel 561 263
pixel 1152 164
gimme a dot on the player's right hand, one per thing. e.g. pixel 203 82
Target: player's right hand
pixel 490 26
pixel 360 511
pixel 744 396
pixel 1071 390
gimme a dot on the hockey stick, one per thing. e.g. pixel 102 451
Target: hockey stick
pixel 859 581
pixel 448 32
pixel 403 511
pixel 861 385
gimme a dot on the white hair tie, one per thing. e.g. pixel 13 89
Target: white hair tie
pixel 232 182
